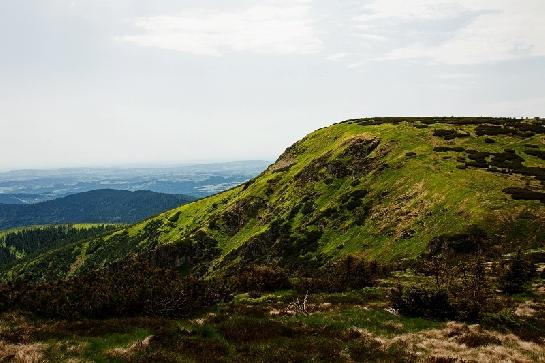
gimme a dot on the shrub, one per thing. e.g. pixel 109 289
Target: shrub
pixel 460 291
pixel 174 218
pixel 262 278
pixel 350 272
pixel 356 272
pixel 516 273
pixel 470 291
pixel 474 339
pixel 448 148
pixel 354 199
pixel 530 328
pixel 536 152
pixel 134 287
pixel 449 134
pixel 307 207
pixel 493 130
pixel 471 241
pixel 422 301
pixel 524 194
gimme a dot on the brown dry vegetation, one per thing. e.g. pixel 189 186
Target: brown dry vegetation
pixel 463 343
pixel 22 353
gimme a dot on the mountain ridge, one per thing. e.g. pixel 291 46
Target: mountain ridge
pixel 387 189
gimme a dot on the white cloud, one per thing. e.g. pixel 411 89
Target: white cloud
pixel 488 31
pixel 336 56
pixel 457 76
pixel 273 27
pixel 408 10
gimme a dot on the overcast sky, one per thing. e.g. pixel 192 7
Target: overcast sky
pixel 114 82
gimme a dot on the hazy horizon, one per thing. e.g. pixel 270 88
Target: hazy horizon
pixel 136 165
pixel 96 83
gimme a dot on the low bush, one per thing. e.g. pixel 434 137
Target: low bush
pixel 134 287
pixel 448 148
pixel 493 130
pixel 460 291
pixel 449 134
pixel 354 199
pixel 536 152
pixel 474 339
pixel 422 301
pixel 524 194
pixel 471 241
pixel 350 272
pixel 261 278
pixel 517 272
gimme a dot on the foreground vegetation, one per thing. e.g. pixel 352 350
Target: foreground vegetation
pixel 353 325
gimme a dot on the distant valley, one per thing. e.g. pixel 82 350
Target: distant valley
pixel 98 206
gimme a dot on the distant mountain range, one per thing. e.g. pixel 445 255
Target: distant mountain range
pixel 22 198
pixel 198 180
pixel 97 206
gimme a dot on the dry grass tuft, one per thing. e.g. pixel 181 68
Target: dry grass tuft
pixel 22 353
pixel 118 353
pixel 460 342
pixel 282 164
pixel 526 309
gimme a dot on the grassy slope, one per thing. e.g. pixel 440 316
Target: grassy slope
pixel 21 254
pixel 412 199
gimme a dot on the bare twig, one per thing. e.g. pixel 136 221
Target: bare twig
pixel 300 307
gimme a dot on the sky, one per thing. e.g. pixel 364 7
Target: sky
pixel 148 82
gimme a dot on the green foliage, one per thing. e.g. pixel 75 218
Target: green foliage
pixel 330 219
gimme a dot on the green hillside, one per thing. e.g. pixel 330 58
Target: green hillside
pixel 387 189
pixel 25 242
